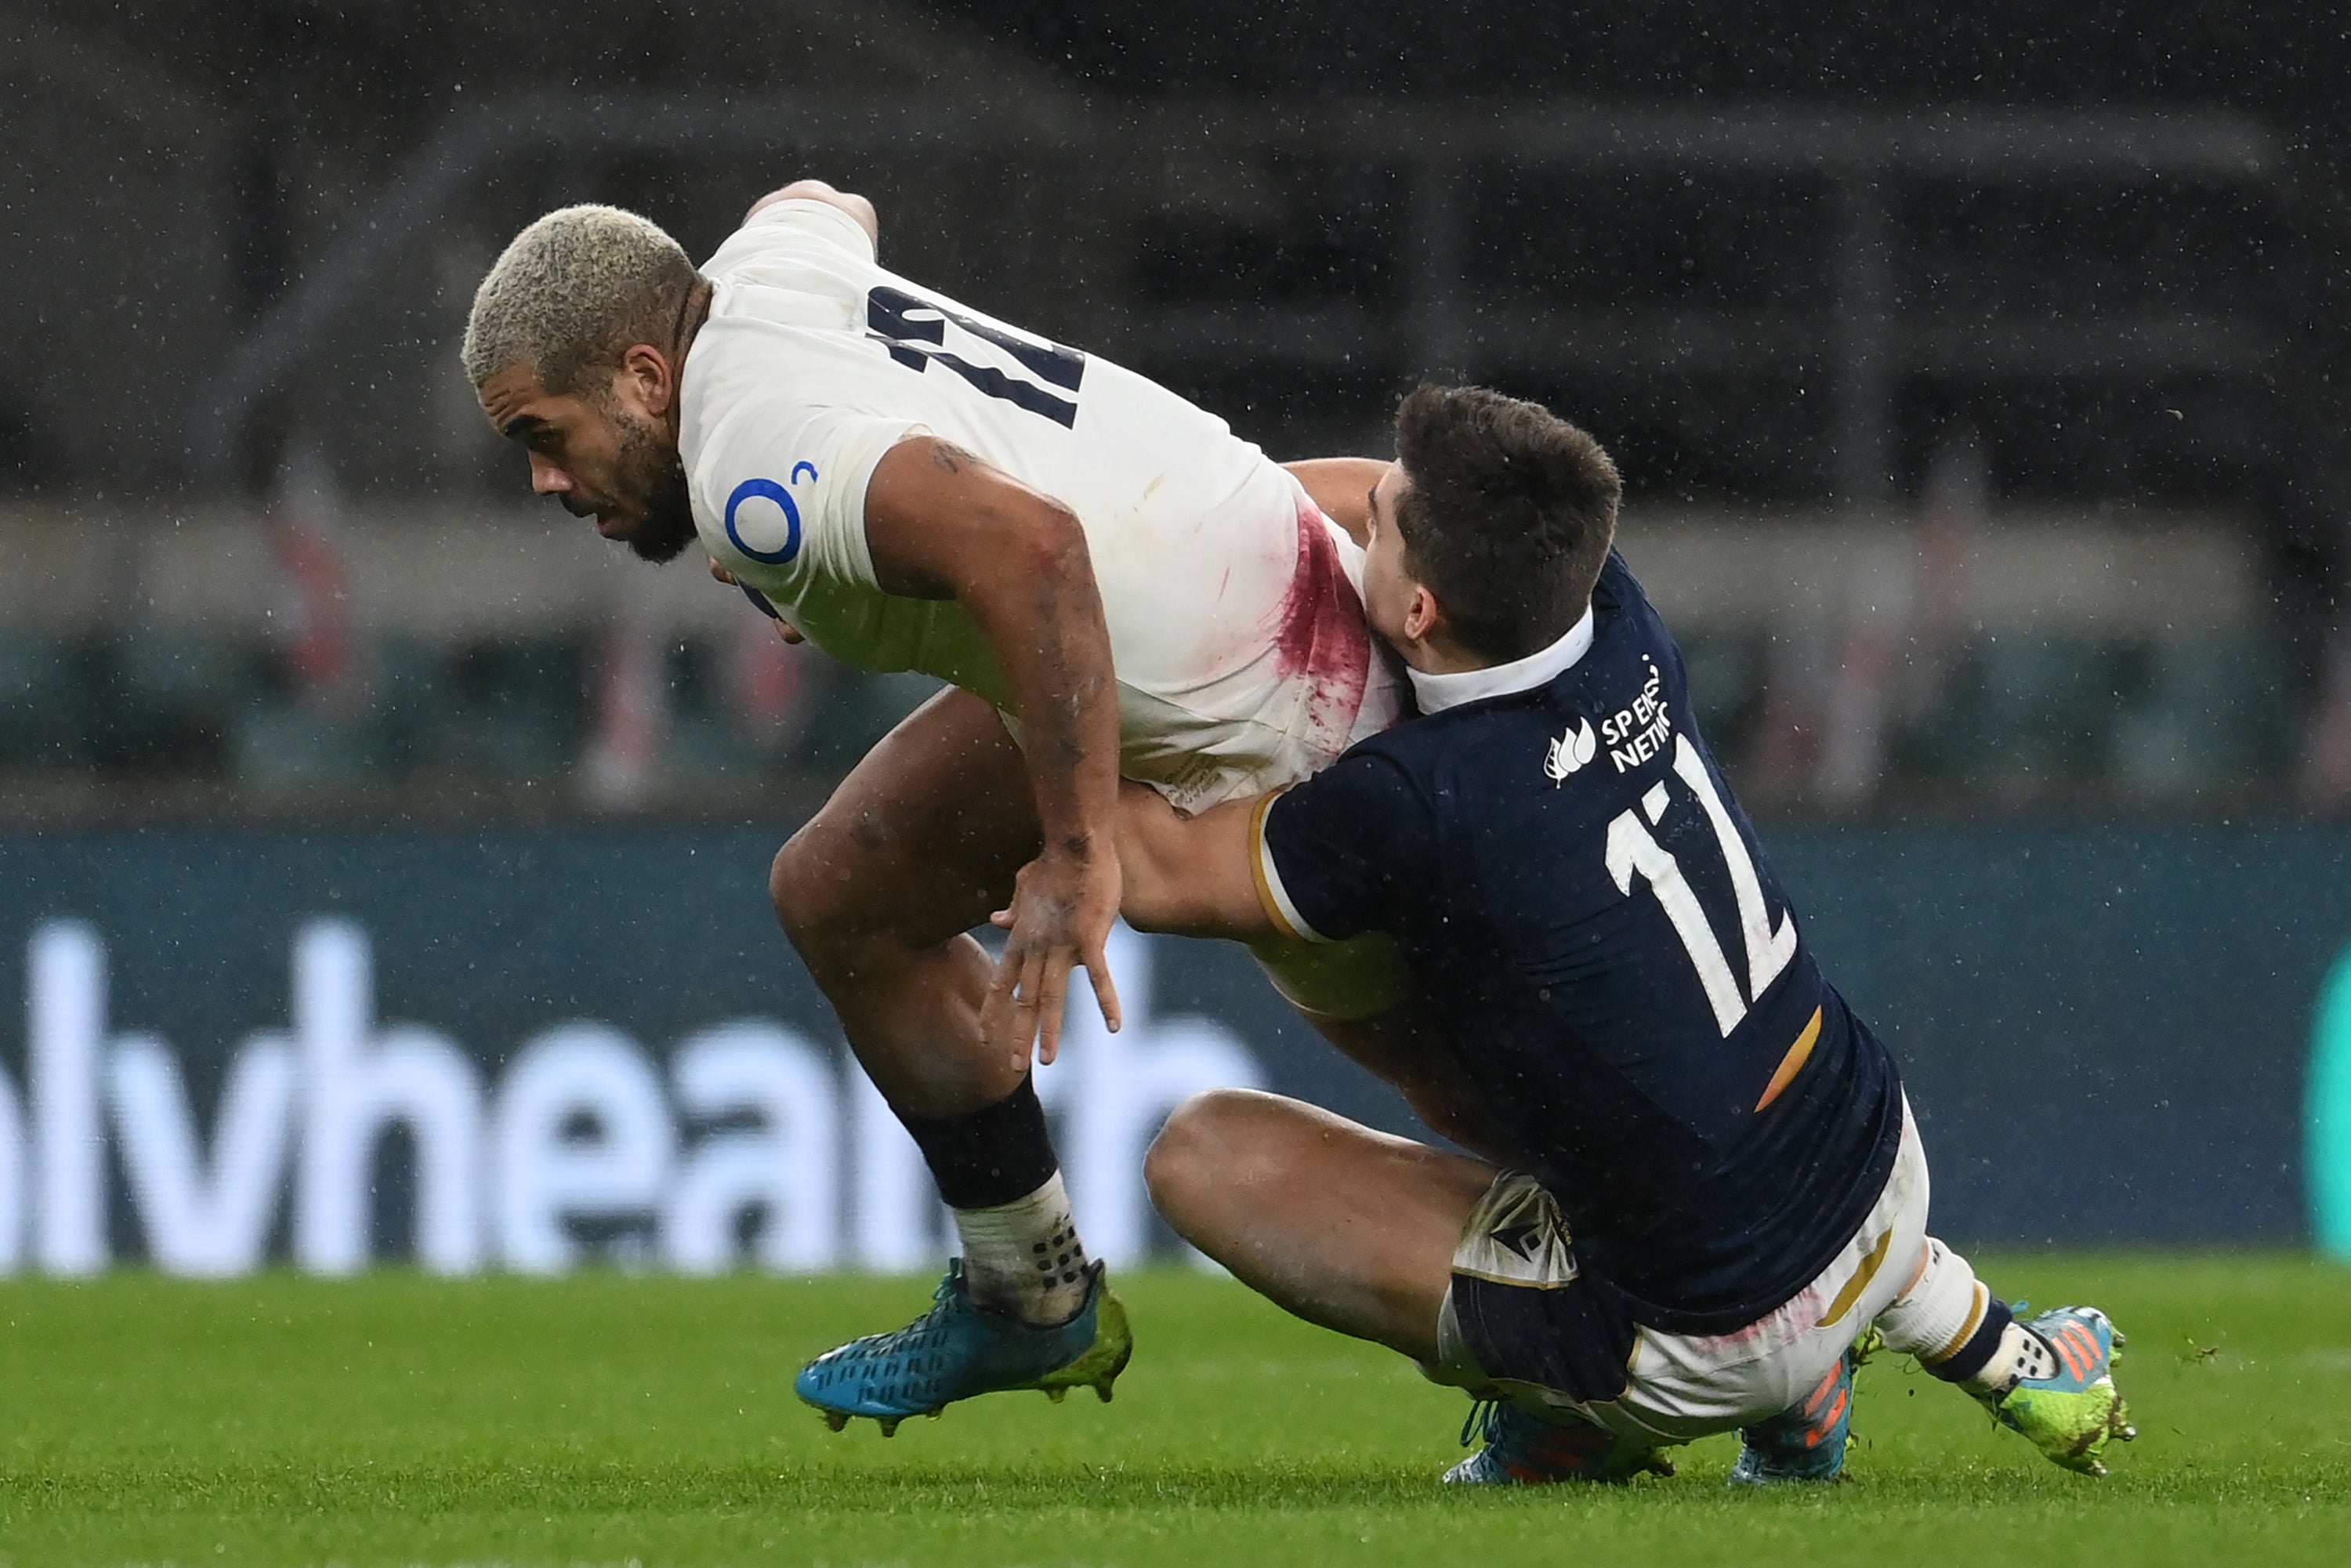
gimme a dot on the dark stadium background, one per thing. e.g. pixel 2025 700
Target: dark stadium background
pixel 1977 371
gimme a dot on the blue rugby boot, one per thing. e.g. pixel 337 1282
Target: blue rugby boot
pixel 1527 1450
pixel 1806 1441
pixel 2069 1414
pixel 959 1349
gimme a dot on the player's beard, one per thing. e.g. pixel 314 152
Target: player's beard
pixel 652 476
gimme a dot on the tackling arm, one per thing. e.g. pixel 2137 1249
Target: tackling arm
pixel 941 524
pixel 1194 876
pixel 1341 487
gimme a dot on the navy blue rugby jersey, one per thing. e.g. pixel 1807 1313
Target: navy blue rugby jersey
pixel 1638 1020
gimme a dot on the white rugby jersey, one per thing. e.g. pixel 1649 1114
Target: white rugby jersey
pixel 1235 626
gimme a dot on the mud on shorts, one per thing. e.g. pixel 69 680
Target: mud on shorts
pixel 1523 1322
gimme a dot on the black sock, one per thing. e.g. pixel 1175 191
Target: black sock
pixel 1973 1356
pixel 997 1155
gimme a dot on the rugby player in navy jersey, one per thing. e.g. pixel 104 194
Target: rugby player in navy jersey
pixel 1693 1183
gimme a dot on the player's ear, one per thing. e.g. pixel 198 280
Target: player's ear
pixel 648 369
pixel 1422 613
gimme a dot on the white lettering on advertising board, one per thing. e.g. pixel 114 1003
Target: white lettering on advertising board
pixel 755 1146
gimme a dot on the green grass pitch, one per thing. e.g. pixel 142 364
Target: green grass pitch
pixel 606 1418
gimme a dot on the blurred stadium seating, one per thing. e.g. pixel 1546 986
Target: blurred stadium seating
pixel 1999 410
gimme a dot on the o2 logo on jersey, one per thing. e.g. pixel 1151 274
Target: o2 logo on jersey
pixel 774 538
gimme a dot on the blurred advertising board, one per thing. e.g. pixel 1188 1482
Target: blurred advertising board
pixel 534 1049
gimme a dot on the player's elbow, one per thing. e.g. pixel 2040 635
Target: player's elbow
pixel 1046 537
pixel 1027 565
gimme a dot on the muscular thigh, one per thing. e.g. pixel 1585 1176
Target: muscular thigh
pixel 923 838
pixel 1344 1226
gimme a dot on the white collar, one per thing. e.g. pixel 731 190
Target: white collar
pixel 1451 688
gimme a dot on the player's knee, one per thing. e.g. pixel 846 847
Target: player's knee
pixel 1202 1149
pixel 807 898
pixel 836 900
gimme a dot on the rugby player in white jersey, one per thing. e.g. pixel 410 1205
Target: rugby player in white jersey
pixel 1114 584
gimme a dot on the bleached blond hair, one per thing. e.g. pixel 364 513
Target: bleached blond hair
pixel 573 291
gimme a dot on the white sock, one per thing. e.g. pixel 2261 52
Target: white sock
pixel 1937 1316
pixel 1024 1257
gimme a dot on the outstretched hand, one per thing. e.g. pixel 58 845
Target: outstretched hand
pixel 1062 909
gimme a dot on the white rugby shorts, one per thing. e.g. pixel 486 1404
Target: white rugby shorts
pixel 1680 1387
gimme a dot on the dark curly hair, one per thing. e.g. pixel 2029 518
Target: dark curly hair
pixel 1509 516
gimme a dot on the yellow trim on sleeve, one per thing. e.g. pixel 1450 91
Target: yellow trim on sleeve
pixel 1257 873
pixel 1794 1062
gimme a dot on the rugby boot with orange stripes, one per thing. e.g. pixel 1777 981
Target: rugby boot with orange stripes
pixel 2070 1415
pixel 1521 1450
pixel 1806 1441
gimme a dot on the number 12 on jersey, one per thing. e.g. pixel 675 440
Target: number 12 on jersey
pixel 1633 852
pixel 915 330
